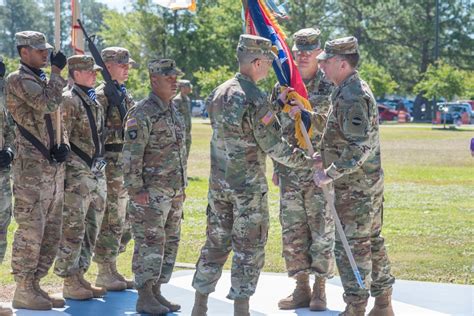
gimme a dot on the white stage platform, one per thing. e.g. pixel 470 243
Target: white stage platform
pixel 409 298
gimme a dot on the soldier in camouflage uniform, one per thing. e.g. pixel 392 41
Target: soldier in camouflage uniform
pixel 307 225
pixel 245 130
pixel 85 183
pixel 7 136
pixel 350 152
pixel 115 223
pixel 154 156
pixel 182 102
pixel 38 175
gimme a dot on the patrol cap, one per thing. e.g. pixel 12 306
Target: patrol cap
pixel 306 39
pixel 185 83
pixel 339 46
pixel 33 39
pixel 118 55
pixel 252 46
pixel 164 67
pixel 82 62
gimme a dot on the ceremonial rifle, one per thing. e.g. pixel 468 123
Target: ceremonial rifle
pixel 112 90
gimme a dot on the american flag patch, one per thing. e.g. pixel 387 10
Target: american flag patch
pixel 268 118
pixel 131 123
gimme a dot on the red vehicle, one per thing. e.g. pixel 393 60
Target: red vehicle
pixel 471 102
pixel 386 113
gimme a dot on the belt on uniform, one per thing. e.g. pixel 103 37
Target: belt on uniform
pixel 113 147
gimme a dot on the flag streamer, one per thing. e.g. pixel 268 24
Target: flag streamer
pixel 260 21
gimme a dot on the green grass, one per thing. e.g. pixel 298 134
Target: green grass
pixel 428 214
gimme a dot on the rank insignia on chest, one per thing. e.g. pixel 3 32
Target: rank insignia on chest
pixel 132 134
pixel 268 118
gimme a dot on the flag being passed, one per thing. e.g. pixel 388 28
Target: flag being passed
pixel 177 4
pixel 259 21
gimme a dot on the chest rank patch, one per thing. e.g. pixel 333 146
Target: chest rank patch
pixel 356 121
pixel 268 118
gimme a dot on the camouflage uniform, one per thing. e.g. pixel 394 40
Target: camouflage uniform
pixel 245 130
pixel 183 106
pixel 307 225
pixel 154 156
pixel 38 184
pixel 350 150
pixel 85 188
pixel 115 222
pixel 8 135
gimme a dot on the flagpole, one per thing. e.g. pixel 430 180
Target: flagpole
pixel 328 191
pixel 57 47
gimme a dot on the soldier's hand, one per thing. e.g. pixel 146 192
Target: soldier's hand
pixel 59 152
pixel 2 69
pixel 6 157
pixel 275 179
pixel 58 59
pixel 318 161
pixel 283 95
pixel 320 178
pixel 142 198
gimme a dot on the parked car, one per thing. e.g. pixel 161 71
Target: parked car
pixel 386 113
pixel 471 102
pixel 197 107
pixel 453 111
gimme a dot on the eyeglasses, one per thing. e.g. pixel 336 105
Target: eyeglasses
pixel 305 53
pixel 268 61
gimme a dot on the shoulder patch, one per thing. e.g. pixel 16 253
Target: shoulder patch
pixel 268 118
pixel 131 122
pixel 132 134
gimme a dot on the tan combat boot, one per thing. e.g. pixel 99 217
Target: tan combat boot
pixel 57 302
pixel 173 307
pixel 147 303
pixel 108 280
pixel 27 298
pixel 383 305
pixel 354 306
pixel 200 304
pixel 241 307
pixel 96 290
pixel 73 289
pixel 113 266
pixel 318 297
pixel 6 311
pixel 300 297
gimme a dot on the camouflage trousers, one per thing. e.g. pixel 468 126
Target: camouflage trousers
pixel 361 215
pixel 157 229
pixel 188 144
pixel 308 229
pixel 237 222
pixel 84 205
pixel 5 209
pixel 38 187
pixel 114 224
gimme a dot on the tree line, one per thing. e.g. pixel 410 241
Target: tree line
pixel 396 37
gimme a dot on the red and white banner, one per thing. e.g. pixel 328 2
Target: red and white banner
pixel 77 37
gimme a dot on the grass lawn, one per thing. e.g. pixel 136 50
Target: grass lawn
pixel 428 214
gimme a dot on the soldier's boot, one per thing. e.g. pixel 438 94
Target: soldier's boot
pixel 241 307
pixel 27 298
pixel 200 304
pixel 113 266
pixel 108 280
pixel 301 295
pixel 354 306
pixel 73 289
pixel 318 297
pixel 383 305
pixel 97 291
pixel 57 302
pixel 6 311
pixel 173 307
pixel 147 303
